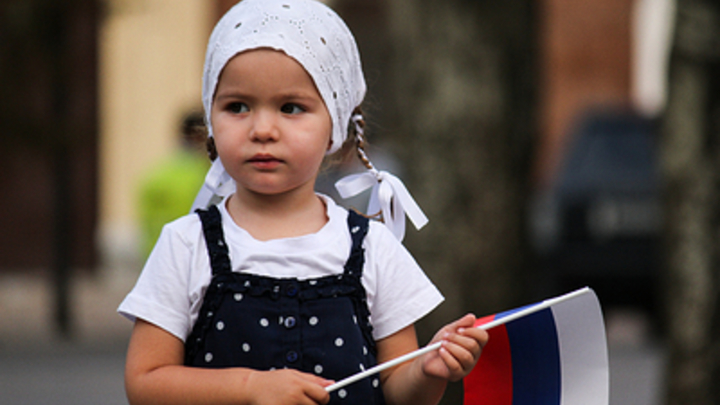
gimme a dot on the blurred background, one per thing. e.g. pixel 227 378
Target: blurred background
pixel 553 144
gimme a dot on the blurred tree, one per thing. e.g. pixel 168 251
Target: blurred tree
pixel 464 75
pixel 47 153
pixel 691 164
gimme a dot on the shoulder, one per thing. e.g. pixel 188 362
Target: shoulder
pixel 184 229
pixel 378 235
pixel 400 290
pixel 381 243
pixel 169 289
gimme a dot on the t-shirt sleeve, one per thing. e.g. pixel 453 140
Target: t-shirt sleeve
pixel 399 290
pixel 161 295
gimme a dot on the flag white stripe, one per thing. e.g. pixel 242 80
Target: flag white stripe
pixel 583 351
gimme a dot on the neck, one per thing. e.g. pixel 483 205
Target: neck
pixel 277 216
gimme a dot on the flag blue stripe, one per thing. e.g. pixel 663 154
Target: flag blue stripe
pixel 512 311
pixel 535 359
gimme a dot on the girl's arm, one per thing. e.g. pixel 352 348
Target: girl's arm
pixel 423 380
pixel 154 374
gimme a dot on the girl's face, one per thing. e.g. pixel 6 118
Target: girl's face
pixel 270 124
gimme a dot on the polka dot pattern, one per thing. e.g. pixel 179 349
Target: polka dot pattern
pixel 316 326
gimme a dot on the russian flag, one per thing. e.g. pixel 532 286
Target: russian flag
pixel 550 353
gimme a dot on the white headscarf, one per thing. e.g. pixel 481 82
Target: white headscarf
pixel 316 37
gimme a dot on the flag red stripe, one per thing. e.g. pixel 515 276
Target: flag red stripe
pixel 491 381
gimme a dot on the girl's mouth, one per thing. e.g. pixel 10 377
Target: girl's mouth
pixel 264 161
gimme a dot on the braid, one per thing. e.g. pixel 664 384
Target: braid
pixel 211 150
pixel 358 130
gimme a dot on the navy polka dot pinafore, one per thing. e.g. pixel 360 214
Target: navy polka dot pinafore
pixel 319 326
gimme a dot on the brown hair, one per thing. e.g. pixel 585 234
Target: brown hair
pixel 354 144
pixel 211 149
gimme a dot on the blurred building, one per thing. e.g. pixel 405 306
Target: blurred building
pixel 598 55
pixel 48 134
pixel 150 64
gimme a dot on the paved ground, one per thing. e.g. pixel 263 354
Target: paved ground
pixel 38 368
pixel 71 375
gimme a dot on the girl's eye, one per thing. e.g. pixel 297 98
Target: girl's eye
pixel 291 108
pixel 237 108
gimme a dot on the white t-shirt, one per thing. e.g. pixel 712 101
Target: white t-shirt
pixel 171 287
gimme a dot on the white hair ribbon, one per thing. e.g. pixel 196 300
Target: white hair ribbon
pixel 389 196
pixel 218 183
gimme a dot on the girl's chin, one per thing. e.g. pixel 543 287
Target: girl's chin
pixel 276 190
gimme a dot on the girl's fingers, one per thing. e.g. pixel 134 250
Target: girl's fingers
pixel 466 321
pixel 462 345
pixel 472 339
pixel 479 336
pixel 464 355
pixel 316 379
pixel 455 368
pixel 461 350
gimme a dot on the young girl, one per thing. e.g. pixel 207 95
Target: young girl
pixel 275 292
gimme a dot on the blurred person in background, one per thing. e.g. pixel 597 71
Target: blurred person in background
pixel 169 189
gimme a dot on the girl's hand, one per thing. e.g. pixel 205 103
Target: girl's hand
pixel 461 347
pixel 287 387
pixel 155 375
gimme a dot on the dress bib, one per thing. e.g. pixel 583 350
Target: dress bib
pixel 318 325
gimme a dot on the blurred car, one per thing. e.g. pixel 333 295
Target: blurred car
pixel 600 221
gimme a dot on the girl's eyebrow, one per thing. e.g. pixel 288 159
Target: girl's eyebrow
pixel 299 95
pixel 289 95
pixel 230 94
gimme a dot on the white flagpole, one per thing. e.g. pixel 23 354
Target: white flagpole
pixel 417 353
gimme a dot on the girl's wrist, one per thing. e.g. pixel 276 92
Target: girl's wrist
pixel 423 376
pixel 429 387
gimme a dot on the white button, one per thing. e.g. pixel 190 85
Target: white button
pixel 208 357
pixel 342 393
pixel 264 323
pixel 318 369
pixel 339 342
pixel 246 347
pixel 238 296
pixel 313 320
pixel 220 325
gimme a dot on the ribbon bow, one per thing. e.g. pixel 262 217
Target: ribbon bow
pixel 389 196
pixel 218 183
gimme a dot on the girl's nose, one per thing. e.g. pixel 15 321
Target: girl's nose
pixel 264 127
